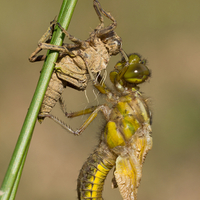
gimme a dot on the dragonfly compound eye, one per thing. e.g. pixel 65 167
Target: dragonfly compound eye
pixel 134 58
pixel 136 73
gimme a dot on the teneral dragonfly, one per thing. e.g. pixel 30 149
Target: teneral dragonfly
pixel 126 138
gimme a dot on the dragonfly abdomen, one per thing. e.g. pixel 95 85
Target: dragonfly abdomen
pixel 93 173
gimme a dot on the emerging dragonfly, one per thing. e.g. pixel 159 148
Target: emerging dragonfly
pixel 70 69
pixel 126 139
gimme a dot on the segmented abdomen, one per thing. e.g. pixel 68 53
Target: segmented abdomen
pixel 93 173
pixel 53 93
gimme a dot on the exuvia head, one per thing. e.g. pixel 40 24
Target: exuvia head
pixel 113 43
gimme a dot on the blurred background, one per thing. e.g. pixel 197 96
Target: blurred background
pixel 167 34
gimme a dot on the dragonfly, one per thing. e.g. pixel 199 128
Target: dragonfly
pixel 70 69
pixel 126 138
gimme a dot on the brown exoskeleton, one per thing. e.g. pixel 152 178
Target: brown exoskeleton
pixel 70 69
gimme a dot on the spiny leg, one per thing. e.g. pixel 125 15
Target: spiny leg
pixel 74 114
pixel 109 28
pixel 70 37
pixel 103 108
pixel 70 46
pixel 34 58
pixel 95 5
pixel 48 34
pixel 44 39
pixel 62 49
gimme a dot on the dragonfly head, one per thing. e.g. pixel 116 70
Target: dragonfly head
pixel 129 72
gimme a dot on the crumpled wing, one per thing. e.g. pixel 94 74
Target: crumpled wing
pixel 128 170
pixel 128 173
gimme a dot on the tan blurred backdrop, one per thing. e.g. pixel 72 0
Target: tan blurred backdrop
pixel 167 33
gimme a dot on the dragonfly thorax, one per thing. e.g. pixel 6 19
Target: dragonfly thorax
pixel 128 115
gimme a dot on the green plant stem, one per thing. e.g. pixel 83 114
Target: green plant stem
pixel 13 174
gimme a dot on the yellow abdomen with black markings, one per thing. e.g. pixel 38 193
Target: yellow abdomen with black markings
pixel 94 171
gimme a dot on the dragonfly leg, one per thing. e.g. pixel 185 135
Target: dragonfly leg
pixel 62 49
pixel 44 39
pixel 103 108
pixel 95 5
pixel 70 46
pixel 44 43
pixel 74 114
pixel 100 10
pixel 70 37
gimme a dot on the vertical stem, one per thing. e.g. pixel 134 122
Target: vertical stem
pixel 13 174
